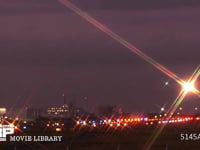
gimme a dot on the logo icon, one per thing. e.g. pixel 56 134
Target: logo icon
pixel 5 130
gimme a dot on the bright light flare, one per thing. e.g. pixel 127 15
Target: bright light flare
pixel 189 86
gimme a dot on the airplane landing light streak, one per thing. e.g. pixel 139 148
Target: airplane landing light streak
pixel 187 85
pixel 120 40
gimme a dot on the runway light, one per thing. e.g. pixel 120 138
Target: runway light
pixel 197 118
pixel 58 129
pixel 84 123
pixel 162 109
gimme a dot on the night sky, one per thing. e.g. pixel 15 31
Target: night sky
pixel 47 49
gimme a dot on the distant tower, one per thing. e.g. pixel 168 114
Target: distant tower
pixel 64 100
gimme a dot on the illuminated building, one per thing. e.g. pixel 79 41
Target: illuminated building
pixel 2 111
pixel 58 111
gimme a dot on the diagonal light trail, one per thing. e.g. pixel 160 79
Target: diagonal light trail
pixel 194 78
pixel 159 128
pixel 120 40
pixel 191 82
pixel 173 108
pixel 145 57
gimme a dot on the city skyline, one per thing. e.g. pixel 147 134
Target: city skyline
pixel 47 50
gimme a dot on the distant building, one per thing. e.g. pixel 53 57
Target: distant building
pixel 79 112
pixel 34 113
pixel 58 111
pixel 2 111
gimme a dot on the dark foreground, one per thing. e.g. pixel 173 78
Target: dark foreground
pixel 116 139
